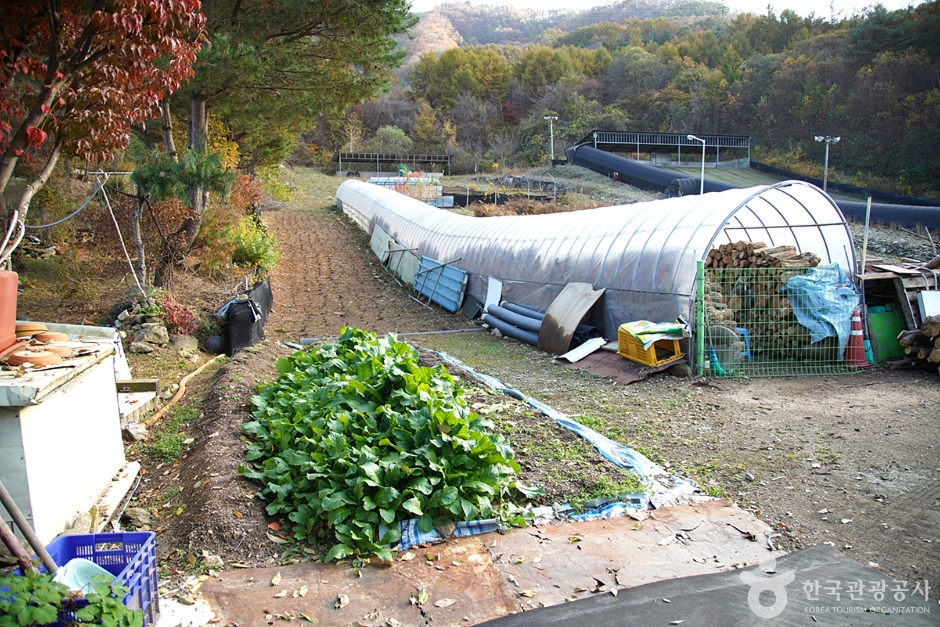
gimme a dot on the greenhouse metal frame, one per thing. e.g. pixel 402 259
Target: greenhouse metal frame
pixel 644 254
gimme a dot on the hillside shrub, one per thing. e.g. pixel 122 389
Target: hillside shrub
pixel 254 246
pixel 355 436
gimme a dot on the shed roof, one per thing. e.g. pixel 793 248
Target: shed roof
pixel 645 254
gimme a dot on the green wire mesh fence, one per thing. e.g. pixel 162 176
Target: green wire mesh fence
pixel 750 329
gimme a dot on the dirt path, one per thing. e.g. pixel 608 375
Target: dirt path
pixel 328 278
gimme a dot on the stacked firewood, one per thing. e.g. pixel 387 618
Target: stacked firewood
pixel 922 347
pixel 750 278
pixel 758 255
pixel 717 311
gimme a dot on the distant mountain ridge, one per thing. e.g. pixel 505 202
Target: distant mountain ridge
pixel 485 24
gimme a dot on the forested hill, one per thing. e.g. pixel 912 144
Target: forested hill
pixel 484 24
pixel 480 83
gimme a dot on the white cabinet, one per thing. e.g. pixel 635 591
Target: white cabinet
pixel 60 440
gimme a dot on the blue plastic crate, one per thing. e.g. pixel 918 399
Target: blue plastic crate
pixel 131 557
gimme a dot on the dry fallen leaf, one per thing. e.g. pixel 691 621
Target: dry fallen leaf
pixel 444 602
pixel 281 594
pixel 237 513
pixel 526 593
pixel 574 539
pixel 276 539
pixel 341 601
pixel 407 556
pixel 391 622
pixel 422 597
pixel 275 526
pixel 276 579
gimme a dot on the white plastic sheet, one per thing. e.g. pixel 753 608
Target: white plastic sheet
pixel 644 254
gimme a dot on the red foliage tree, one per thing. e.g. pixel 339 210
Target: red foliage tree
pixel 75 75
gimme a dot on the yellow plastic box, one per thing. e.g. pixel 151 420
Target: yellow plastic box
pixel 660 352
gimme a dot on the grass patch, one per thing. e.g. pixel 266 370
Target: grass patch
pixel 169 441
pixel 605 488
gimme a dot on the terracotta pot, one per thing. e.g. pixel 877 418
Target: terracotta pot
pixel 33 356
pixel 51 336
pixel 29 329
pixel 62 350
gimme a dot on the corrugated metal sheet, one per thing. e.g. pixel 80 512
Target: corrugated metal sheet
pixel 441 283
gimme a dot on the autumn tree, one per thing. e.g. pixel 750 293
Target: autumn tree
pixel 75 75
pixel 272 68
pixel 479 72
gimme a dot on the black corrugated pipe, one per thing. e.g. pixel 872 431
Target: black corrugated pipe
pixel 624 170
pixel 525 311
pixel 510 331
pixel 905 215
pixel 582 333
pixel 515 319
pixel 650 178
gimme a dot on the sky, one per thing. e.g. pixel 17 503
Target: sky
pixel 843 8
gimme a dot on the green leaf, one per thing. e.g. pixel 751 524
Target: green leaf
pixel 529 491
pixel 384 554
pixel 387 515
pixel 371 471
pixel 333 501
pixel 338 552
pixel 413 505
pixel 426 523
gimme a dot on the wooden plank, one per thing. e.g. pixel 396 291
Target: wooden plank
pixel 876 276
pixel 904 302
pixel 114 495
pixel 893 268
pixel 919 282
pixel 138 385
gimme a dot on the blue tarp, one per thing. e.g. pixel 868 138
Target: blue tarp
pixel 656 479
pixel 823 300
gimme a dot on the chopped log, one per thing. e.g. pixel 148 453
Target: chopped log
pixel 934 356
pixel 908 338
pixel 905 364
pixel 806 260
pixel 934 263
pixel 931 326
pixel 773 251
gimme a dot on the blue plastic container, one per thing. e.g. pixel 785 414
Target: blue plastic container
pixel 131 557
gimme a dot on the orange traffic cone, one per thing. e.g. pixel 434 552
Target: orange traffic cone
pixel 855 351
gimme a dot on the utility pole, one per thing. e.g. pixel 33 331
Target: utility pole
pixel 701 189
pixel 551 134
pixel 829 140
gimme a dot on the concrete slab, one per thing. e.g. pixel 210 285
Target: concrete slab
pixel 471 580
pixel 814 586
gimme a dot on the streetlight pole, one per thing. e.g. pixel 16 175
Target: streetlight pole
pixel 829 140
pixel 551 134
pixel 701 189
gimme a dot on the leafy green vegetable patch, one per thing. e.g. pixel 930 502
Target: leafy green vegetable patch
pixel 355 436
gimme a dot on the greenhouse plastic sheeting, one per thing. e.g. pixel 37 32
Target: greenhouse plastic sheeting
pixel 644 254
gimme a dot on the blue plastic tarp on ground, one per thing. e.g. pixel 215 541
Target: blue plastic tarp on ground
pixel 654 476
pixel 823 300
